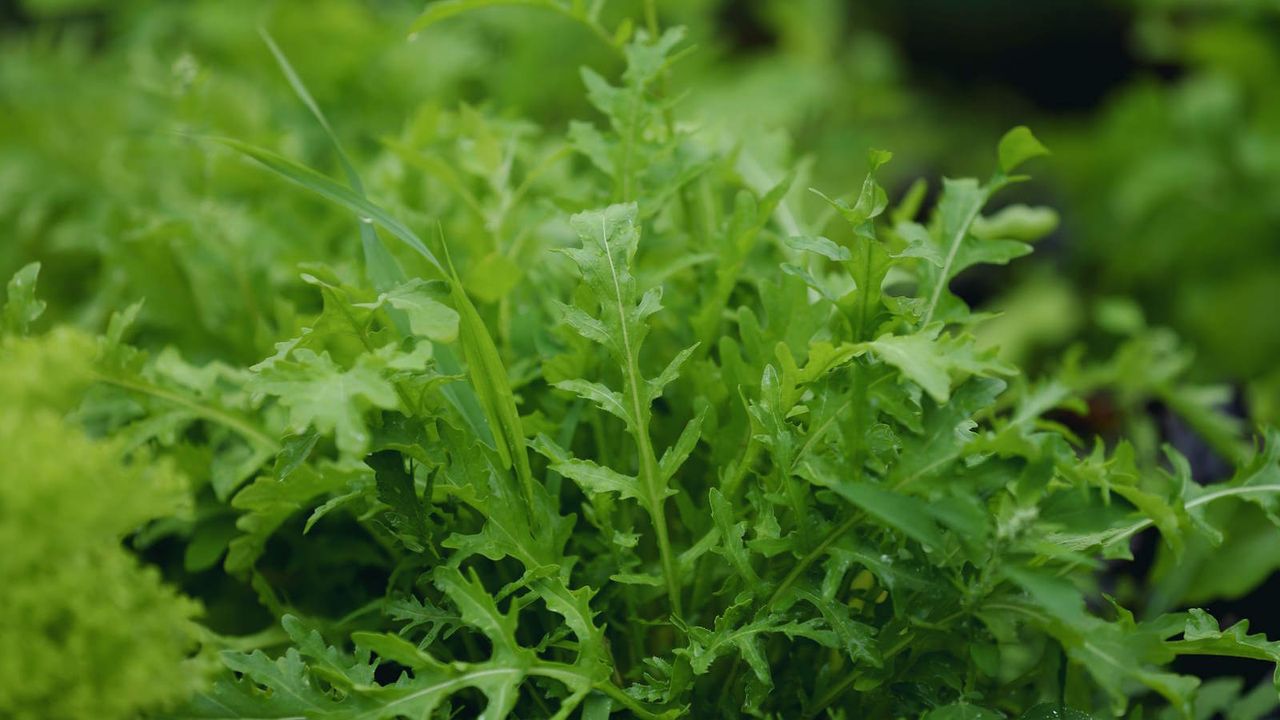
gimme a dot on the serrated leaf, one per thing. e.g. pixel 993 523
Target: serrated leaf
pixel 1202 636
pixel 592 478
pixel 819 246
pixel 427 316
pixel 319 393
pixel 931 359
pixel 608 400
pixel 731 534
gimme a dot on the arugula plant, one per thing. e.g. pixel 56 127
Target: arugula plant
pixel 635 432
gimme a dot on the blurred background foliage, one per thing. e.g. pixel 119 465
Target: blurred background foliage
pixel 1163 115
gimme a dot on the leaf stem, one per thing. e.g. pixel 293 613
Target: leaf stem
pixel 651 17
pixel 817 551
pixel 630 703
pixel 240 425
pixel 655 497
pixel 740 470
pixel 1197 502
pixel 835 691
pixel 572 676
pixel 668 561
pixel 832 694
pixel 956 241
pixel 651 480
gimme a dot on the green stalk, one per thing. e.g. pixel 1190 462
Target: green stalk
pixel 241 425
pixel 835 534
pixel 734 481
pixel 651 481
pixel 651 17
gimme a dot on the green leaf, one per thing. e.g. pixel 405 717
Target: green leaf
pixel 493 277
pixel 591 477
pixel 1258 481
pixel 819 246
pixel 731 534
pixel 21 307
pixel 381 266
pixel 856 639
pixel 332 191
pixel 427 316
pixel 485 369
pixel 1018 146
pixel 745 638
pixel 493 388
pixel 1016 222
pixel 931 359
pixel 1201 636
pixel 637 579
pixel 294 450
pixel 679 452
pixel 870 262
pixel 407 518
pixel 277 688
pixel 961 202
pixel 320 394
pixel 903 513
pixel 608 400
pixel 1114 653
pixel 945 433
pixel 609 240
pixel 267 503
pixel 871 200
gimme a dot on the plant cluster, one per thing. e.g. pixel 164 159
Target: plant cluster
pixel 88 630
pixel 600 423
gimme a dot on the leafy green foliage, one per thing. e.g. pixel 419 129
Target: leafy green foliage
pixel 318 393
pixel 89 631
pixel 643 434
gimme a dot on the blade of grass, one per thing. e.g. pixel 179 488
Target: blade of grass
pixel 380 265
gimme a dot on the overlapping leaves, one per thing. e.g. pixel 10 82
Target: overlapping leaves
pixel 799 487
